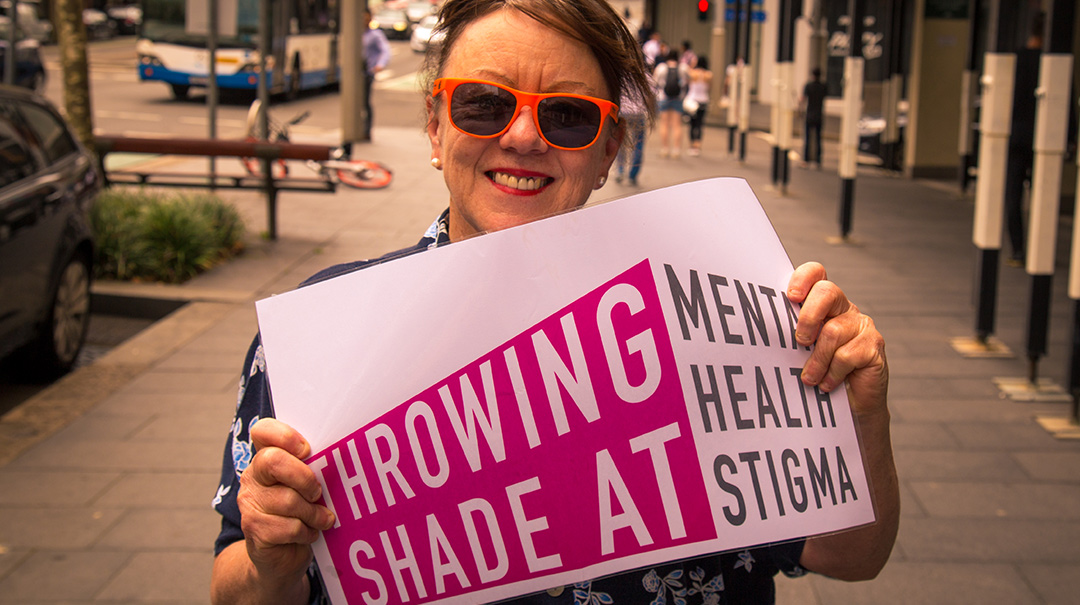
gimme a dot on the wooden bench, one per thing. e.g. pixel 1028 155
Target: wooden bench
pixel 266 153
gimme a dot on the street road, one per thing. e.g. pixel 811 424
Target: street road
pixel 124 106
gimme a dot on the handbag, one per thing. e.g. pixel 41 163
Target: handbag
pixel 690 106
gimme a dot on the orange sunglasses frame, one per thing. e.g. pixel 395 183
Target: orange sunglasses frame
pixel 529 99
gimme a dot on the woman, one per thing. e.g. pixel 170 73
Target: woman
pixel 671 78
pixel 698 93
pixel 505 166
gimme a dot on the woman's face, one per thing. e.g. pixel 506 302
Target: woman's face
pixel 510 48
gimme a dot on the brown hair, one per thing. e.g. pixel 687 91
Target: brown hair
pixel 592 22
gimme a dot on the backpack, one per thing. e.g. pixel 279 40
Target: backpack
pixel 672 86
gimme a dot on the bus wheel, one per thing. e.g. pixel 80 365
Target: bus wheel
pixel 179 91
pixel 294 81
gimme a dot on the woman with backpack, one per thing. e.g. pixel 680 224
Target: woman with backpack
pixel 697 102
pixel 672 79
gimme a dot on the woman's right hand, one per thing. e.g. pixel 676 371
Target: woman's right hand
pixel 277 500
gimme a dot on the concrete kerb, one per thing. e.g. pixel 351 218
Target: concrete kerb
pixel 71 396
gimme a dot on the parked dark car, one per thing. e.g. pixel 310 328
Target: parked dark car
pixel 48 183
pixel 126 19
pixel 29 69
pixel 394 23
pixel 423 37
pixel 98 25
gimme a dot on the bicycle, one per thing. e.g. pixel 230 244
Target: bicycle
pixel 359 174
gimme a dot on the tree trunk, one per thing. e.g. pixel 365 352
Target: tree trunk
pixel 71 40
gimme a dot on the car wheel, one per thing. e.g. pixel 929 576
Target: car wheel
pixel 180 91
pixel 63 334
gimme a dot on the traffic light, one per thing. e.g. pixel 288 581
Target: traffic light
pixel 703 10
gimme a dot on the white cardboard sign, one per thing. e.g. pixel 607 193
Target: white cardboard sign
pixel 595 392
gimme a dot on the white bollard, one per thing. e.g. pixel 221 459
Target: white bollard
pixel 849 125
pixel 994 124
pixel 1055 76
pixel 849 140
pixel 787 102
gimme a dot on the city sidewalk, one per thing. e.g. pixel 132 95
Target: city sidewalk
pixel 106 478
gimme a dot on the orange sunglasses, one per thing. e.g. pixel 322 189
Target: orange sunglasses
pixel 486 110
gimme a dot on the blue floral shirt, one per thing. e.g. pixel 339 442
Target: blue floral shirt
pixel 737 577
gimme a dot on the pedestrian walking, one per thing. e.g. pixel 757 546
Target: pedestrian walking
pixel 687 56
pixel 696 103
pixel 376 57
pixel 653 48
pixel 672 78
pixel 813 104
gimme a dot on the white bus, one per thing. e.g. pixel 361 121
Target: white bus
pixel 304 42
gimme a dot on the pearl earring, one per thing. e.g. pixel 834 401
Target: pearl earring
pixel 600 183
pixel 436 163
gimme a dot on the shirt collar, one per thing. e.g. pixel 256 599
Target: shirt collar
pixel 438 234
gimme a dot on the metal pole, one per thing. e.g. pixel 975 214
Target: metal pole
pixel 896 86
pixel 784 84
pixel 997 83
pixel 892 86
pixel 968 82
pixel 9 56
pixel 353 73
pixel 787 99
pixel 999 69
pixel 744 82
pixel 778 88
pixel 265 44
pixel 1059 36
pixel 1052 110
pixel 849 125
pixel 787 118
pixel 733 90
pixel 212 84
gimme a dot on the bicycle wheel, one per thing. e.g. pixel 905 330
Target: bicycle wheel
pixel 365 174
pixel 253 120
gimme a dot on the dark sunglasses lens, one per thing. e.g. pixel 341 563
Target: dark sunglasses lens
pixel 481 109
pixel 569 122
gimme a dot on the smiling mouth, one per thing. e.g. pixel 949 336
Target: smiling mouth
pixel 520 183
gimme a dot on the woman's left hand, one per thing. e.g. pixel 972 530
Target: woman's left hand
pixel 847 346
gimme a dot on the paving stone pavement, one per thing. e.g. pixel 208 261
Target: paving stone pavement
pixel 106 477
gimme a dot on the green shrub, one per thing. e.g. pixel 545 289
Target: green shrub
pixel 151 236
